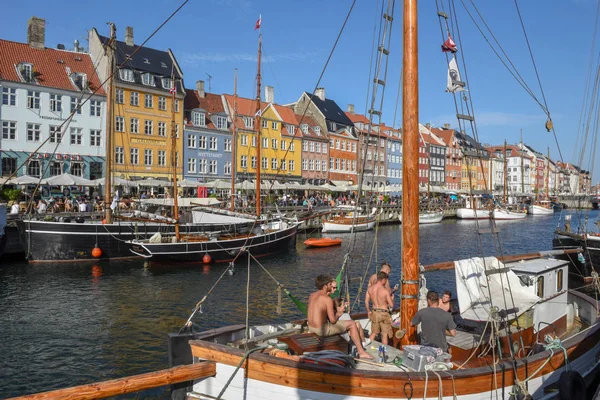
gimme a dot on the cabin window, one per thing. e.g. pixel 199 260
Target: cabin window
pixel 559 280
pixel 540 286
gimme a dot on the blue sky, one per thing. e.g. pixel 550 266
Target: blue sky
pixel 216 36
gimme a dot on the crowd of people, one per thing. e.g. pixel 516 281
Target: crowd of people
pixel 327 314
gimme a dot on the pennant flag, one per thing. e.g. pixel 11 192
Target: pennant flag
pixel 449 45
pixel 454 82
pixel 258 22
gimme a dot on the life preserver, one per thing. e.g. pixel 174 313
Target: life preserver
pixel 571 386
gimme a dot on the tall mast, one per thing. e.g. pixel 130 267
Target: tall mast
pixel 258 128
pixel 174 160
pixel 410 172
pixel 234 142
pixel 505 177
pixel 110 51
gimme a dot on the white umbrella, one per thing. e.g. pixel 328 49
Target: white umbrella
pixel 25 180
pixel 69 180
pixel 115 181
pixel 245 185
pixel 190 183
pixel 151 182
pixel 220 184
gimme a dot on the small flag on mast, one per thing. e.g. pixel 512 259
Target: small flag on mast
pixel 258 22
pixel 173 90
pixel 449 45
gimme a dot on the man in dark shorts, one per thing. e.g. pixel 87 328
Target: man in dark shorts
pixel 324 321
pixel 435 323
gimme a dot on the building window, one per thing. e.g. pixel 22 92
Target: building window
pixel 76 136
pixel 292 165
pixel 540 287
pixel 248 122
pixel 337 144
pixel 119 155
pixel 227 145
pixel 274 125
pixel 291 129
pixel 227 168
pixel 119 96
pixel 253 161
pixel 354 147
pixel 162 158
pixel 33 168
pixel 33 99
pixel 9 96
pixel 265 163
pixel 95 110
pixel 134 99
pixel 317 147
pixel 274 143
pixel 213 144
pixel 311 165
pixel 221 123
pixel 337 164
pixel 331 163
pixel 176 106
pixel 305 165
pixel 9 166
pixel 265 143
pixel 33 132
pixel 324 165
pixel 244 162
pixel 79 80
pixel 265 123
pixel 148 127
pixel 95 135
pixel 254 141
pixel 344 145
pixel 273 163
pixel 95 170
pixel 283 164
pixel 283 144
pixel 77 169
pixel 244 140
pixel 148 79
pixel 192 140
pixel 134 156
pixel 559 280
pixel 126 75
pixel 167 83
pixel 9 130
pixel 134 125
pixel 203 163
pixel 148 100
pixel 212 167
pixel 191 165
pixel 55 103
pixel 26 71
pixel 147 157
pixel 317 130
pixel 292 146
pixel 311 147
pixel 202 142
pixel 304 128
pixel 198 118
pixel 162 129
pixel 55 168
pixel 75 105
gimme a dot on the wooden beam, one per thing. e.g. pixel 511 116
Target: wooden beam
pixel 129 384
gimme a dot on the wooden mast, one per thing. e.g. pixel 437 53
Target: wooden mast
pixel 174 159
pixel 258 128
pixel 410 173
pixel 505 177
pixel 234 142
pixel 110 51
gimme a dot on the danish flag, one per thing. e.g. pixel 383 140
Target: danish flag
pixel 173 90
pixel 258 22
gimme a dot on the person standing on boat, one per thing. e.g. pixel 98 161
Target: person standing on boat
pixel 324 321
pixel 385 267
pixel 435 323
pixel 383 302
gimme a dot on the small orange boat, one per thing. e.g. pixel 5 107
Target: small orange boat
pixel 322 242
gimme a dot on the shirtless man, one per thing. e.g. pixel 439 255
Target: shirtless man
pixel 324 321
pixel 385 267
pixel 445 301
pixel 381 320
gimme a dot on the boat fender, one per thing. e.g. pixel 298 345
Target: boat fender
pixel 571 386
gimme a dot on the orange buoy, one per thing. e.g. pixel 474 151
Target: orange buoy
pixel 104 221
pixel 206 259
pixel 96 252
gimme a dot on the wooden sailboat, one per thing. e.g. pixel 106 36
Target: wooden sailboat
pixel 527 355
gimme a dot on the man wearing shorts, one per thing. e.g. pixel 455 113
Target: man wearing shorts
pixel 324 321
pixel 380 296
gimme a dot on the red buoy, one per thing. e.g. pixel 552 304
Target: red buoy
pixel 96 252
pixel 206 259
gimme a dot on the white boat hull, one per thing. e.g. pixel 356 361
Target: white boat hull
pixel 347 228
pixel 470 213
pixel 500 214
pixel 427 217
pixel 539 210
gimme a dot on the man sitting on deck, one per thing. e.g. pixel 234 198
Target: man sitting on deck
pixel 435 323
pixel 323 321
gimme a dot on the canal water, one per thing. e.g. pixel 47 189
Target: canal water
pixel 71 324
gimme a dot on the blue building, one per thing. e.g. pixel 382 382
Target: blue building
pixel 207 140
pixel 394 160
pixel 40 88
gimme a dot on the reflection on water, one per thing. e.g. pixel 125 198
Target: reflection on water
pixel 64 325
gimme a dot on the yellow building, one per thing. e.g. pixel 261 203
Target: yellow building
pixel 142 108
pixel 281 152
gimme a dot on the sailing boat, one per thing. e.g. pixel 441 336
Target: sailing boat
pixel 531 345
pixel 263 237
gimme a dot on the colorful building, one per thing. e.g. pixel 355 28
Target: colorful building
pixel 436 148
pixel 142 107
pixel 207 142
pixel 315 147
pixel 453 156
pixel 41 87
pixel 394 160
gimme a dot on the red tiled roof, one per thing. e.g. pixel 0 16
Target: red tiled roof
pixel 211 103
pixel 244 105
pixel 445 134
pixel 49 64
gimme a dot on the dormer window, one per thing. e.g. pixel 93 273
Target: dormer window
pixel 167 83
pixel 148 79
pixel 221 123
pixel 317 130
pixel 291 129
pixel 198 118
pixel 248 122
pixel 79 80
pixel 126 75
pixel 304 128
pixel 26 72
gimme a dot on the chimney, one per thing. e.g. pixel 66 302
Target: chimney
pixel 36 32
pixel 129 36
pixel 351 108
pixel 320 93
pixel 428 125
pixel 200 89
pixel 446 126
pixel 269 94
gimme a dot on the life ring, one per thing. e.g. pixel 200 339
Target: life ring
pixel 571 386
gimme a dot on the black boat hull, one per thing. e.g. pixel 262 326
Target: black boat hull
pixel 220 250
pixel 590 246
pixel 70 241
